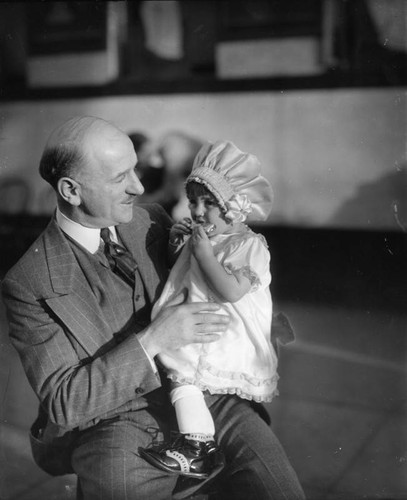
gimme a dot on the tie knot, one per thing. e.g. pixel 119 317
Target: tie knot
pixel 120 259
pixel 105 235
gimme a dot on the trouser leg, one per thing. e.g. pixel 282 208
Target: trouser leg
pixel 108 465
pixel 257 466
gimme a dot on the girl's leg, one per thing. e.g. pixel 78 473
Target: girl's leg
pixel 194 453
pixel 193 416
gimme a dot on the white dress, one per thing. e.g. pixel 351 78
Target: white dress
pixel 243 360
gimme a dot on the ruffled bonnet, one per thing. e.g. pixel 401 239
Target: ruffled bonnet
pixel 234 178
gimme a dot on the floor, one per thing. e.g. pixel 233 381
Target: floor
pixel 341 413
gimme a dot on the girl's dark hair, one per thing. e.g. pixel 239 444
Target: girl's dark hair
pixel 195 189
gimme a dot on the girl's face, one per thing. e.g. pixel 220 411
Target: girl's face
pixel 206 210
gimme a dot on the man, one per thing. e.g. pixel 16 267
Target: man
pixel 83 332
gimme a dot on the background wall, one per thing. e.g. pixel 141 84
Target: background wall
pixel 337 161
pixel 336 158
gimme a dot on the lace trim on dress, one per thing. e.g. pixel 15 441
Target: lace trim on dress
pixel 266 397
pixel 231 375
pixel 247 272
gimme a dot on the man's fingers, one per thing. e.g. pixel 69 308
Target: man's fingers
pixel 206 338
pixel 208 319
pixel 202 307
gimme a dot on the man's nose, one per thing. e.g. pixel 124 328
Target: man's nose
pixel 135 186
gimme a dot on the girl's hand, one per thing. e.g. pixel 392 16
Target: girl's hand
pixel 180 230
pixel 200 244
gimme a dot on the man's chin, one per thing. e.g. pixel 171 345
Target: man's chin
pixel 126 214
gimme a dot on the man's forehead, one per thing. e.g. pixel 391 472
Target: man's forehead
pixel 110 158
pixel 110 142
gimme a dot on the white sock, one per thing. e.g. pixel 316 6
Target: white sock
pixel 192 413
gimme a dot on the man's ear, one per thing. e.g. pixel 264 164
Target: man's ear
pixel 69 190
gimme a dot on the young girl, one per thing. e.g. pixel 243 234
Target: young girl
pixel 222 261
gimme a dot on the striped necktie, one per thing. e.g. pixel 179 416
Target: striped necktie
pixel 120 259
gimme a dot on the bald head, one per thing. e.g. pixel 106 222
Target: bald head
pixel 67 149
pixel 91 165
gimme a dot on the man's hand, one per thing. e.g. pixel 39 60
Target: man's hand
pixel 180 324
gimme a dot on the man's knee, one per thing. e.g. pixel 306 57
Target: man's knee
pixel 253 453
pixel 108 465
pixel 120 475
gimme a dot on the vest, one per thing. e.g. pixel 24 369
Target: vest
pixel 125 309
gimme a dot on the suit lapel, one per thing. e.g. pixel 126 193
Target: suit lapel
pixel 73 301
pixel 134 237
pixel 71 298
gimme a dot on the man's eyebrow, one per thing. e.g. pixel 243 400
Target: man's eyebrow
pixel 119 174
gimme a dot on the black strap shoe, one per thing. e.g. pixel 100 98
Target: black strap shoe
pixel 186 456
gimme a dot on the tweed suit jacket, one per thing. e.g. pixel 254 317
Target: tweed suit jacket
pixel 77 370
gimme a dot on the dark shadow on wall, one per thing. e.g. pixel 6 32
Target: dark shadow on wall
pixel 339 268
pixel 375 205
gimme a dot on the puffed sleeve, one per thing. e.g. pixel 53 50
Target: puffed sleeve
pixel 250 258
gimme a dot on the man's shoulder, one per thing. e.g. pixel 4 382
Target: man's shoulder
pixel 33 258
pixel 148 214
pixel 150 210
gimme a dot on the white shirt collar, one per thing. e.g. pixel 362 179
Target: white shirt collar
pixel 88 237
